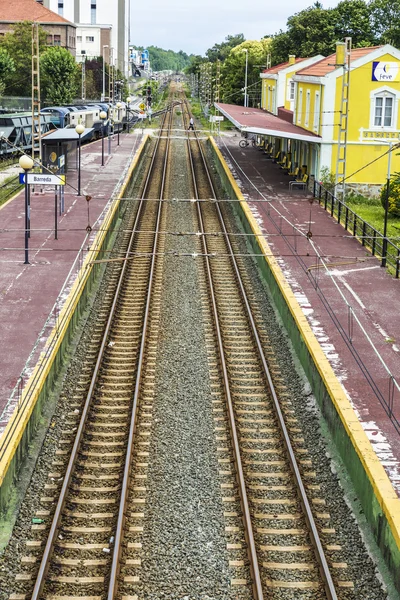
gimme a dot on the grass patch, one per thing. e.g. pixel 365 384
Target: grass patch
pixel 8 188
pixel 7 162
pixel 371 210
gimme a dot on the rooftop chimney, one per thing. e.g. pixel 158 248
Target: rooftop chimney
pixel 292 59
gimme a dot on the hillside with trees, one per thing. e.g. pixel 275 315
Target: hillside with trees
pixel 166 60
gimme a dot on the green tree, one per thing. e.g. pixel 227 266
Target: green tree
pixel 233 70
pixel 58 75
pixel 166 60
pixel 18 44
pixel 194 64
pixel 6 68
pixel 312 31
pixel 316 30
pixel 221 51
pixel 385 20
pixel 394 195
pixel 353 19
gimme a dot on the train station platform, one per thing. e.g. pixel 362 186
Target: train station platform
pixel 350 302
pixel 31 295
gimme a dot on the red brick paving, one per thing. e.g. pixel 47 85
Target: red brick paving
pixel 28 292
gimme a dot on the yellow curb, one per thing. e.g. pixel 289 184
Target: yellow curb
pixel 382 486
pixel 58 334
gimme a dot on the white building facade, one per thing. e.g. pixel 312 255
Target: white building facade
pixel 97 12
pixel 93 41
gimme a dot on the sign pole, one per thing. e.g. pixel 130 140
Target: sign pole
pixel 26 262
pixel 55 213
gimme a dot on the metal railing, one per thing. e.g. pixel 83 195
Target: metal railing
pixel 369 237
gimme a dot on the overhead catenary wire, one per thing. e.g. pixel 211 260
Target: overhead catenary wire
pixel 326 267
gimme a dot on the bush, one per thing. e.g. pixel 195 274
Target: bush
pixel 327 179
pixel 394 195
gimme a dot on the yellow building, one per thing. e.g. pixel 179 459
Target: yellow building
pixel 373 120
pixel 278 87
pixel 308 94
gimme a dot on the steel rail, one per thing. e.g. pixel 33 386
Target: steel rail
pixel 53 533
pixel 313 531
pixel 119 532
pixel 248 528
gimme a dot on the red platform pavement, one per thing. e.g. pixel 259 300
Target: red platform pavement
pixel 29 293
pixel 352 273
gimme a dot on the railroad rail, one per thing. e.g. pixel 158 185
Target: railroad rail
pixel 102 450
pixel 101 500
pixel 249 391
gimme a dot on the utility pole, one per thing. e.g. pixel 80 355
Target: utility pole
pixel 111 77
pixel 217 94
pixel 84 78
pixel 36 127
pixel 343 59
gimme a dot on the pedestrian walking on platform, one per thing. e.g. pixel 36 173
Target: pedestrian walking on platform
pixel 191 124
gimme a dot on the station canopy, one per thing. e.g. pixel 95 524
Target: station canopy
pixel 67 134
pixel 260 122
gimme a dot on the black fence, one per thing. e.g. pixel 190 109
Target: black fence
pixel 369 237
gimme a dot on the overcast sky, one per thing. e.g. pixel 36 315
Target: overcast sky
pixel 195 26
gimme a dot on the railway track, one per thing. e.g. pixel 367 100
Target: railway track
pixel 262 444
pixel 90 514
pixel 273 511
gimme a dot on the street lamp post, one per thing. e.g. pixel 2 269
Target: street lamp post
pixel 79 130
pixel 245 77
pixel 128 102
pixel 103 117
pixel 119 120
pixel 104 75
pixel 26 163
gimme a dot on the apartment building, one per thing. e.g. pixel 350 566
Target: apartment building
pixel 103 14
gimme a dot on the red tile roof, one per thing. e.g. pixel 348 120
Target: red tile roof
pixel 277 68
pixel 258 118
pixel 12 11
pixel 327 65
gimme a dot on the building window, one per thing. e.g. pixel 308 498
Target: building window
pixel 300 106
pixel 93 12
pixel 384 104
pixel 317 106
pixel 308 101
pixel 60 8
pixel 79 39
pixel 291 91
pixel 383 115
pixel 57 40
pixel 49 40
pixel 90 38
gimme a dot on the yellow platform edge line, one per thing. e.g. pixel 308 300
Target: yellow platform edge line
pixel 58 334
pixel 382 486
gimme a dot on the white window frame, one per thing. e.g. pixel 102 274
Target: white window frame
pixel 290 92
pixel 308 104
pixel 300 105
pixel 384 92
pixel 90 39
pixel 317 108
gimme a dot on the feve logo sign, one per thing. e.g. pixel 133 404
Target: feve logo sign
pixel 385 71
